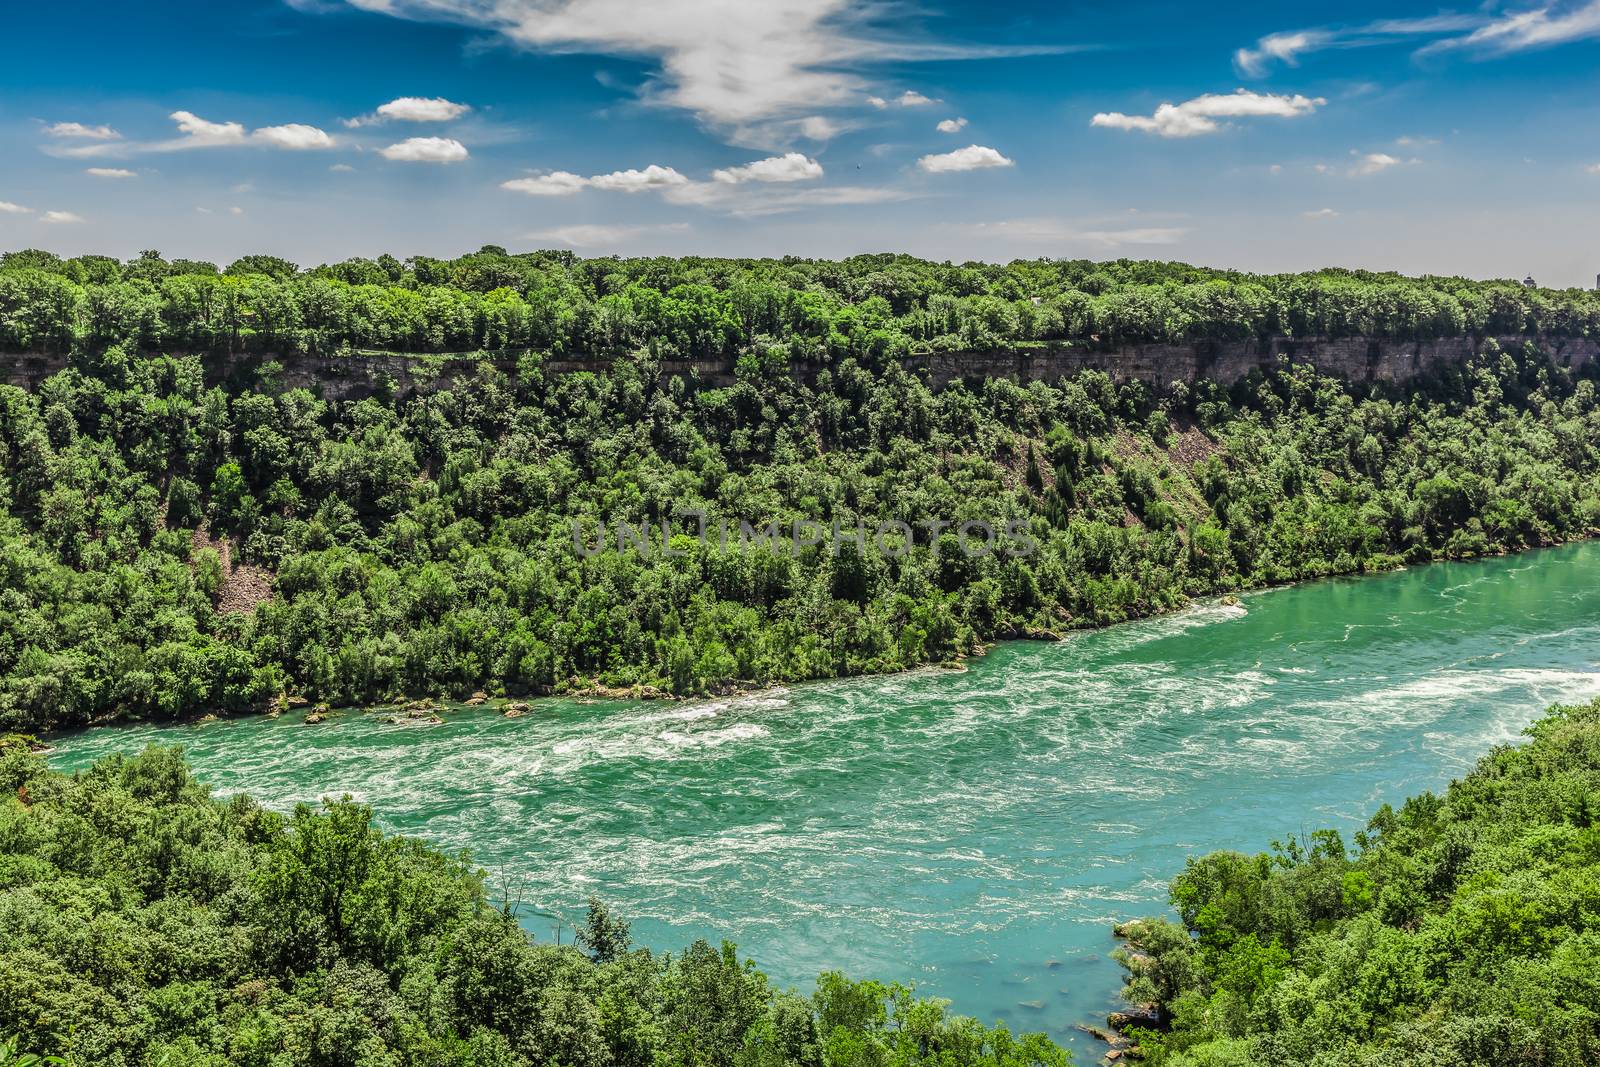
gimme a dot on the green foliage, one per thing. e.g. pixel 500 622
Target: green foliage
pixel 143 923
pixel 420 544
pixel 1462 930
pixel 755 312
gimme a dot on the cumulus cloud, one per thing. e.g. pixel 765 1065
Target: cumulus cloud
pixel 912 98
pixel 952 126
pixel 878 102
pixel 789 167
pixel 556 183
pixel 203 131
pixel 730 62
pixel 972 157
pixel 77 131
pixel 1373 163
pixel 8 208
pixel 638 181
pixel 565 183
pixel 295 136
pixel 1199 116
pixel 60 217
pixel 197 132
pixel 412 109
pixel 426 150
pixel 109 172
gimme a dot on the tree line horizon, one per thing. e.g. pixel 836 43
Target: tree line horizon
pixel 866 307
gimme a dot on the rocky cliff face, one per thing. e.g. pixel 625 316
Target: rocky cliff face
pixel 1355 359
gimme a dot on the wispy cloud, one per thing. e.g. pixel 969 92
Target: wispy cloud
pixel 1199 116
pixel 1544 26
pixel 733 63
pixel 592 235
pixel 8 208
pixel 1518 31
pixel 1093 232
pixel 60 217
pixel 1320 214
pixel 109 172
pixel 1369 163
pixel 972 157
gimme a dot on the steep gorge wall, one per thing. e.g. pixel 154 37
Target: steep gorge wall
pixel 1355 359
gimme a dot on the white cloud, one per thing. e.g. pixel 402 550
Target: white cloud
pixel 423 109
pixel 1524 30
pixel 1593 169
pixel 109 172
pixel 8 208
pixel 426 150
pixel 952 126
pixel 55 217
pixel 556 183
pixel 972 157
pixel 295 136
pixel 236 211
pixel 638 181
pixel 1552 23
pixel 202 131
pixel 590 235
pixel 817 128
pixel 1285 48
pixel 79 132
pixel 730 62
pixel 1320 213
pixel 197 132
pixel 789 167
pixel 912 98
pixel 1199 116
pixel 342 168
pixel 878 102
pixel 1373 163
pixel 412 109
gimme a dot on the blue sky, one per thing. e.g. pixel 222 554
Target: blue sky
pixel 1261 136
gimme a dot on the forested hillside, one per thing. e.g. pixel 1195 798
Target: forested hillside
pixel 1460 931
pixel 868 307
pixel 169 548
pixel 142 922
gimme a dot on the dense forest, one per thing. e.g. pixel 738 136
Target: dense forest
pixel 866 307
pixel 171 547
pixel 144 923
pixel 1459 931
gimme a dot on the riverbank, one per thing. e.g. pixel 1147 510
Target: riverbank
pixel 522 702
pixel 973 831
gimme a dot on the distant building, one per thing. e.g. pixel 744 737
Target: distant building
pixel 1529 283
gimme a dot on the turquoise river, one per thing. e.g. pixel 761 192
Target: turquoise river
pixel 974 831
